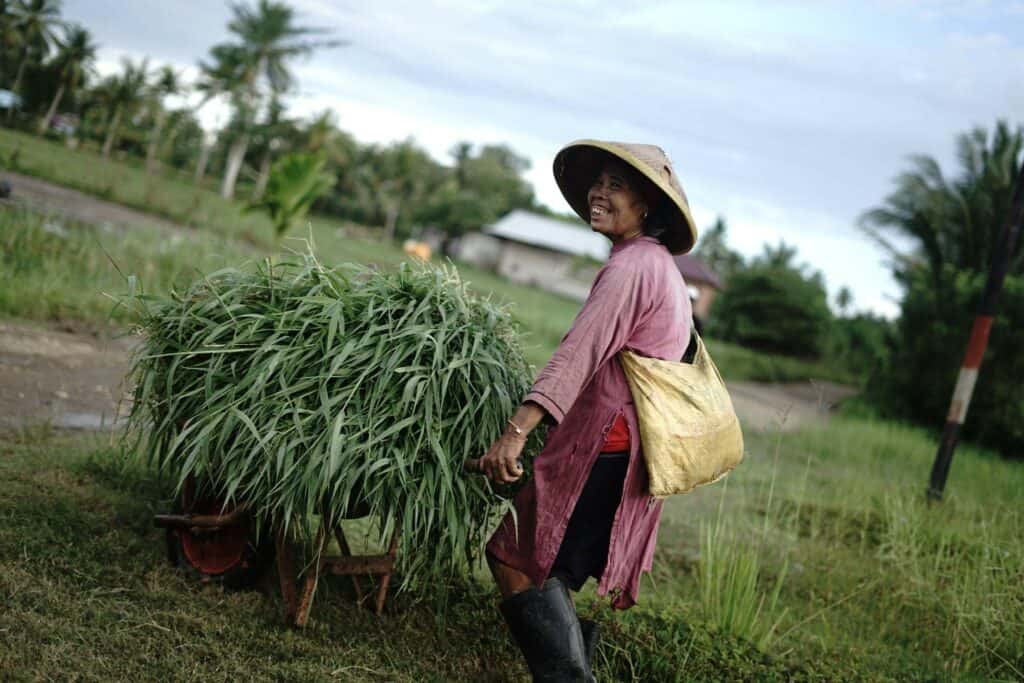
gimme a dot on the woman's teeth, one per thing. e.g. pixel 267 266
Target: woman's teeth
pixel 596 211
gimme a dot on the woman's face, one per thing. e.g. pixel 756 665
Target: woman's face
pixel 617 209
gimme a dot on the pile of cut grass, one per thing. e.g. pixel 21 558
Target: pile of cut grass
pixel 308 392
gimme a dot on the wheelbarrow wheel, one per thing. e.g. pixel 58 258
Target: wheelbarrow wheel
pixel 230 555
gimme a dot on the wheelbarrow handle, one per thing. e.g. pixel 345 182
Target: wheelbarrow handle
pixel 472 465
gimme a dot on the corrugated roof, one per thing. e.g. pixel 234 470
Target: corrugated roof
pixel 550 233
pixel 695 270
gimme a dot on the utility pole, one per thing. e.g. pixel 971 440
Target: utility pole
pixel 978 341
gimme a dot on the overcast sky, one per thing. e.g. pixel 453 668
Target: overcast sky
pixel 787 118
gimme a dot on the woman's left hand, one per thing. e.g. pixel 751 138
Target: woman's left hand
pixel 502 463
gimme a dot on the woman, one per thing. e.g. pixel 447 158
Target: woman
pixel 587 511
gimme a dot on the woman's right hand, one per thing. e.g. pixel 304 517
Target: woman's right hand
pixel 502 464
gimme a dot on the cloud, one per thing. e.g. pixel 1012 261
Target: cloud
pixel 790 118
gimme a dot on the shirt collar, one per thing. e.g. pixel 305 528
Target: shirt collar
pixel 619 246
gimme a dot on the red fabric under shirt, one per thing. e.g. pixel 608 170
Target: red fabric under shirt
pixel 618 436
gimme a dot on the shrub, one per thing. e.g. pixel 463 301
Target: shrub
pixel 776 308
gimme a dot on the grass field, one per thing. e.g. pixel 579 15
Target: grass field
pixel 873 584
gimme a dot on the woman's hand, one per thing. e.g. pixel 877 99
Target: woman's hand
pixel 502 464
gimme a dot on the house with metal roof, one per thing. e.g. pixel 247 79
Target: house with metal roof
pixel 563 258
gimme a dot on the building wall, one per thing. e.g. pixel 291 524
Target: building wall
pixel 546 269
pixel 479 249
pixel 702 306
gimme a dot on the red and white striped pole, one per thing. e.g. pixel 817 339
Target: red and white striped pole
pixel 978 342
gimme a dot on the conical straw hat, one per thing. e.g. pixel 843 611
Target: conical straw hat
pixel 578 164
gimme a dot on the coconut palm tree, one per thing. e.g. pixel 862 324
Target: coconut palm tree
pixel 126 92
pixel 10 39
pixel 167 82
pixel 267 40
pixel 37 21
pixel 844 299
pixel 271 137
pixel 952 221
pixel 74 61
pixel 223 74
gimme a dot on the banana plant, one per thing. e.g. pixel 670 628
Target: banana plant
pixel 296 181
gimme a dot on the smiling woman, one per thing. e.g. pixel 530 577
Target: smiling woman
pixel 617 208
pixel 587 512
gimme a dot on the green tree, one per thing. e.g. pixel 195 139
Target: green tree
pixel 951 221
pixel 166 83
pixel 952 225
pixel 10 41
pixel 257 68
pixel 37 22
pixel 124 93
pixel 844 299
pixel 74 62
pixel 483 187
pixel 386 185
pixel 456 212
pixel 775 305
pixel 272 136
pixel 223 74
pixel 713 250
pixel 295 183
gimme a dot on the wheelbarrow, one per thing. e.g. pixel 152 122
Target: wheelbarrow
pixel 214 543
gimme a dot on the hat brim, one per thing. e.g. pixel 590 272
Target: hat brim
pixel 578 164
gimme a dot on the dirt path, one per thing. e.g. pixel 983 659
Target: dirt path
pixel 50 198
pixel 74 379
pixel 67 378
pixel 770 407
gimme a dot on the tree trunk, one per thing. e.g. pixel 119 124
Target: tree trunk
pixel 391 220
pixel 115 123
pixel 236 155
pixel 44 125
pixel 154 141
pixel 262 178
pixel 204 157
pixel 17 82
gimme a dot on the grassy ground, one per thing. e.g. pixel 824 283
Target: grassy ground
pixel 873 583
pixel 125 182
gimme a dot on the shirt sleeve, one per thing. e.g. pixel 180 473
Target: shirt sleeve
pixel 601 329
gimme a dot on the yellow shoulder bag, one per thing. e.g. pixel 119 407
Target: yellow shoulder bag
pixel 688 428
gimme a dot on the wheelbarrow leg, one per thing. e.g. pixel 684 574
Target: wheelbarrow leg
pixel 382 590
pixel 312 577
pixel 346 551
pixel 286 575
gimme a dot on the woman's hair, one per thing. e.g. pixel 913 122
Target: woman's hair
pixel 659 216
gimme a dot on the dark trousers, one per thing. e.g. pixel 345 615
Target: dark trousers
pixel 584 549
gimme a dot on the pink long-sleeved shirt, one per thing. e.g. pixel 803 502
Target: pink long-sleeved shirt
pixel 638 302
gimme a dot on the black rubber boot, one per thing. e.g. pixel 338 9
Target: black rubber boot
pixel 544 625
pixel 591 635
